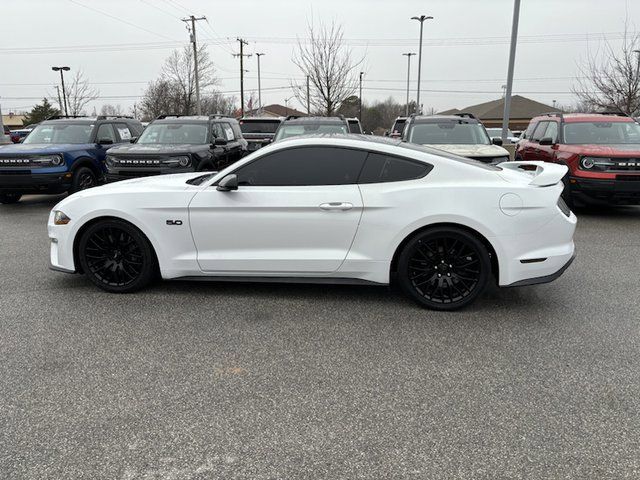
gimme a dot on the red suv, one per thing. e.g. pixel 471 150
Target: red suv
pixel 601 150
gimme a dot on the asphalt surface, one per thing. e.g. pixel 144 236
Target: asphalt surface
pixel 203 381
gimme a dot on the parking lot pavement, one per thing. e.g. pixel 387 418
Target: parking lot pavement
pixel 199 380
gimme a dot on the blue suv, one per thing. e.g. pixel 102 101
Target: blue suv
pixel 62 155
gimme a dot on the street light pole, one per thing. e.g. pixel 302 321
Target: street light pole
pixel 512 60
pixel 64 93
pixel 259 86
pixel 421 19
pixel 360 98
pixel 408 55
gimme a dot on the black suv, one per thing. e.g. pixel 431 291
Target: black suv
pixel 293 126
pixel 178 144
pixel 62 154
pixel 259 131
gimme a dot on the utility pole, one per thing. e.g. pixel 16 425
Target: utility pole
pixel 242 55
pixel 59 97
pixel 408 55
pixel 259 86
pixel 421 19
pixel 308 95
pixel 286 105
pixel 512 61
pixel 360 98
pixel 64 95
pixel 193 21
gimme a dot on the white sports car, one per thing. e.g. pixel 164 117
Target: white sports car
pixel 334 209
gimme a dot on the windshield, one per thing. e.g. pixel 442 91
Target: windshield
pixel 258 126
pixel 497 132
pixel 288 131
pixel 174 133
pixel 603 133
pixel 449 133
pixel 60 133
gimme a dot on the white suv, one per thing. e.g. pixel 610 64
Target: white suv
pixel 461 134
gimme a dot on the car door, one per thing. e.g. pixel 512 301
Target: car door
pixel 532 149
pixel 546 153
pixel 233 145
pixel 296 211
pixel 104 133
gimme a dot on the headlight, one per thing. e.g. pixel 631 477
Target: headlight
pixel 59 218
pixel 182 161
pixel 597 163
pixel 55 160
pixel 111 160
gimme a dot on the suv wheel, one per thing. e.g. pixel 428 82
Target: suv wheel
pixel 444 268
pixel 117 257
pixel 83 178
pixel 8 198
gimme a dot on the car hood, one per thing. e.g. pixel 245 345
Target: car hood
pixel 472 150
pixel 622 150
pixel 33 149
pixel 139 149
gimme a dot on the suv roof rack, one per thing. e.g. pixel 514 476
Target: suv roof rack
pixel 105 117
pixel 217 115
pixel 293 117
pixel 59 117
pixel 552 114
pixel 465 115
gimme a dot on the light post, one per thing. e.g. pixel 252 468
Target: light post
pixel 64 94
pixel 421 19
pixel 408 55
pixel 259 86
pixel 360 98
pixel 512 60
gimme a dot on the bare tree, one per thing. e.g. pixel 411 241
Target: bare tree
pixel 179 70
pixel 162 97
pixel 79 94
pixel 611 77
pixel 112 110
pixel 218 103
pixel 330 66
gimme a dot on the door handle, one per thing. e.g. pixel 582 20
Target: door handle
pixel 336 206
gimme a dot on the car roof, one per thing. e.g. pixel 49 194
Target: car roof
pixel 262 119
pixel 441 118
pixel 315 120
pixel 586 117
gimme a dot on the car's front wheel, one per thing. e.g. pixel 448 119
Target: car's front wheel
pixel 444 268
pixel 116 256
pixel 83 178
pixel 8 198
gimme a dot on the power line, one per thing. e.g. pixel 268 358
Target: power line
pixel 159 9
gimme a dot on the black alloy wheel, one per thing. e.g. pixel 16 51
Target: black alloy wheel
pixel 9 198
pixel 444 268
pixel 117 257
pixel 83 178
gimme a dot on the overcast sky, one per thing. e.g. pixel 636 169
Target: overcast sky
pixel 464 57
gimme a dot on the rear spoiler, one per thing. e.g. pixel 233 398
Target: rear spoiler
pixel 543 174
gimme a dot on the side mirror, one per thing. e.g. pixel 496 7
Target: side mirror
pixel 546 141
pixel 228 183
pixel 219 142
pixel 496 141
pixel 105 141
pixel 133 139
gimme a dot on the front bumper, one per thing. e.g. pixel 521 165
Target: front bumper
pixel 117 174
pixel 35 182
pixel 623 190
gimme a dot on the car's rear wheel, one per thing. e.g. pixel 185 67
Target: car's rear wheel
pixel 117 257
pixel 8 198
pixel 83 178
pixel 444 268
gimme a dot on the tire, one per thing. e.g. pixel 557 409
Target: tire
pixel 117 257
pixel 9 198
pixel 83 178
pixel 444 268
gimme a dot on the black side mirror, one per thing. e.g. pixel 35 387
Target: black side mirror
pixel 496 141
pixel 228 183
pixel 105 141
pixel 133 139
pixel 546 141
pixel 220 142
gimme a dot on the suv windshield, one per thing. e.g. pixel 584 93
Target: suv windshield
pixel 175 133
pixel 60 133
pixel 603 133
pixel 258 126
pixel 287 131
pixel 448 133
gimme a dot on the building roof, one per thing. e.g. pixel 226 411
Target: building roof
pixel 274 110
pixel 12 120
pixel 521 107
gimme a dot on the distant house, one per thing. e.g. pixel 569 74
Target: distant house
pixel 274 110
pixel 13 121
pixel 490 113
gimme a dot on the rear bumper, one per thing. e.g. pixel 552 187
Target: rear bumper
pixel 624 190
pixel 546 278
pixel 35 183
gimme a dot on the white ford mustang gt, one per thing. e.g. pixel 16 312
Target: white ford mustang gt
pixel 336 209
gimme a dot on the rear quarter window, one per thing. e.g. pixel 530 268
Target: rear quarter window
pixel 382 168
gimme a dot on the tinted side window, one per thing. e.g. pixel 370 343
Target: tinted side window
pixel 304 166
pixel 228 132
pixel 529 131
pixel 386 168
pixel 552 131
pixel 105 132
pixel 539 131
pixel 124 132
pixel 216 129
